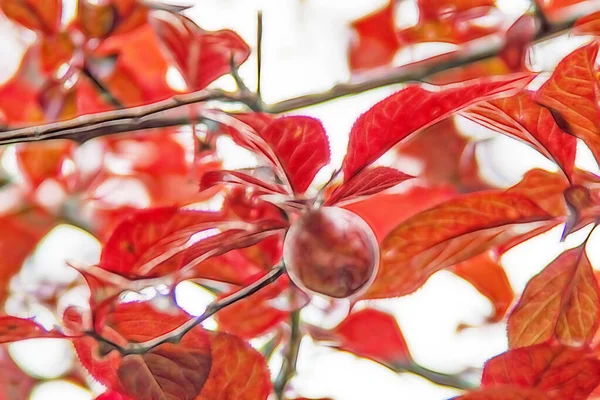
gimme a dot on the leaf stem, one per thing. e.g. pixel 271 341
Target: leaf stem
pixel 288 368
pixel 177 334
pixel 154 115
pixel 456 381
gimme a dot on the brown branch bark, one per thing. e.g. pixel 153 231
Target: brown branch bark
pixel 177 334
pixel 157 115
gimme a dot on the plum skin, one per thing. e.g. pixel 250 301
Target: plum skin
pixel 331 251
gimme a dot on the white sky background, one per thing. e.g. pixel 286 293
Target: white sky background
pixel 304 51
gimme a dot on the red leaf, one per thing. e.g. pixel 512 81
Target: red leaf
pixel 168 371
pixel 296 146
pixel 451 22
pixel 562 301
pixel 177 371
pixel 367 182
pixel 238 371
pixel 571 95
pixel 505 392
pixel 413 108
pixel 373 334
pixel 212 178
pixel 201 56
pixel 448 234
pixel 19 235
pixel 13 329
pixel 110 395
pixel 19 103
pixel 376 42
pixel 149 233
pixel 486 274
pixel 37 15
pixel 588 25
pixel 14 383
pixel 560 371
pixel 517 40
pixel 383 212
pixel 301 146
pixel 522 118
pixel 254 315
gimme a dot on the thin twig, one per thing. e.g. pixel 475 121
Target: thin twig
pixel 259 39
pixel 104 91
pixel 84 127
pixel 235 72
pixel 288 368
pixel 154 115
pixel 177 334
pixel 455 381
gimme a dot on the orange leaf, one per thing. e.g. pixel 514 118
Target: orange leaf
pixel 522 118
pixel 571 93
pixel 37 15
pixel 561 372
pixel 448 234
pixel 486 274
pixel 238 371
pixel 41 161
pixel 383 212
pixel 588 25
pixel 545 188
pixel 55 51
pixel 561 301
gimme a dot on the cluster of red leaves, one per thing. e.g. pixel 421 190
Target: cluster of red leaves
pixel 446 218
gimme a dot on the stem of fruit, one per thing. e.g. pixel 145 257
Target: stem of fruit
pixel 155 115
pixel 288 368
pixel 176 335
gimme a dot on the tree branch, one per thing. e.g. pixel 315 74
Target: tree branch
pixel 288 368
pixel 176 335
pixel 155 115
